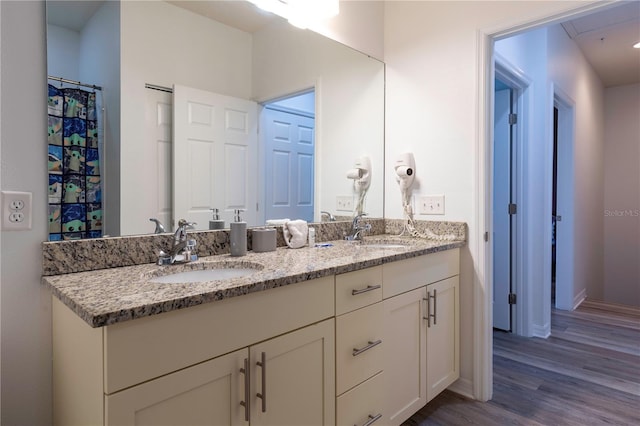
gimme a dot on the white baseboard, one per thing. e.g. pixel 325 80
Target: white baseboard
pixel 463 387
pixel 579 298
pixel 542 331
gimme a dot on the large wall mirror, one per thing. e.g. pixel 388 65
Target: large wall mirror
pixel 206 105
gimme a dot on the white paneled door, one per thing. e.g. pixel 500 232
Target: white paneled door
pixel 215 156
pixel 289 164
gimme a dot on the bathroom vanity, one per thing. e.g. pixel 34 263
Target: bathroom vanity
pixel 346 334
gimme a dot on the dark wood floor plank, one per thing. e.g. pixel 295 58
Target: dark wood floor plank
pixel 586 373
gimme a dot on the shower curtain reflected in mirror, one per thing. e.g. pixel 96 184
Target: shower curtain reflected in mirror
pixel 75 197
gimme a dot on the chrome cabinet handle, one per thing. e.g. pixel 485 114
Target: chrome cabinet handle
pixel 429 314
pixel 247 383
pixel 372 419
pixel 435 306
pixel 364 290
pixel 263 395
pixel 371 344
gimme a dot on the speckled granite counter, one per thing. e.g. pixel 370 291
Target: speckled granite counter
pixel 109 296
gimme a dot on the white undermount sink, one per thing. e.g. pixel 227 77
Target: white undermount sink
pixel 204 272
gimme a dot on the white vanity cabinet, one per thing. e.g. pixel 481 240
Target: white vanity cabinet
pixel 183 367
pixel 421 331
pixel 289 381
pixel 366 347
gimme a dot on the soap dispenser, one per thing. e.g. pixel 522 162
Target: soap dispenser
pixel 238 236
pixel 216 222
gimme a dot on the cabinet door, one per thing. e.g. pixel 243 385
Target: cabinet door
pixel 205 394
pixel 443 330
pixel 295 378
pixel 404 353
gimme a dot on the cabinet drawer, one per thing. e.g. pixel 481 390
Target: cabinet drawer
pixel 406 275
pixel 357 289
pixel 145 348
pixel 362 404
pixel 359 346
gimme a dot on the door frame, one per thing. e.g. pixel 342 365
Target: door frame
pixel 519 83
pixel 481 219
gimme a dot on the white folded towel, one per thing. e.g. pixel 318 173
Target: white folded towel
pixel 276 222
pixel 295 233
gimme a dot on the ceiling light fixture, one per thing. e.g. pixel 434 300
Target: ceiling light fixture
pixel 637 45
pixel 301 13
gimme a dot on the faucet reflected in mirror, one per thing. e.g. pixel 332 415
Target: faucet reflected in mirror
pixel 182 248
pixel 266 63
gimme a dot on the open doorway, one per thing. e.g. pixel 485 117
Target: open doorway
pixel 288 139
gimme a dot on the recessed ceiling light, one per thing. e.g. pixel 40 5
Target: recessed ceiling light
pixel 637 45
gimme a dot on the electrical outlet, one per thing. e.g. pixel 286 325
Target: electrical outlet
pixel 344 203
pixel 16 211
pixel 431 204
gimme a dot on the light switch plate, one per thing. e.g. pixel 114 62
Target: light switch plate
pixel 344 203
pixel 16 211
pixel 431 204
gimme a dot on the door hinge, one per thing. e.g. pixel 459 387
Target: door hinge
pixel 513 208
pixel 512 298
pixel 513 118
pixel 486 237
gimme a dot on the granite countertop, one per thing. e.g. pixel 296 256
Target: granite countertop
pixel 110 296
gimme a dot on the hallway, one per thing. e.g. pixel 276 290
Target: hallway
pixel 586 373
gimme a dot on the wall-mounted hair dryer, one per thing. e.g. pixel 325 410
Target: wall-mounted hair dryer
pixel 405 168
pixel 361 174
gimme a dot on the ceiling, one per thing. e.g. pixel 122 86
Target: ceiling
pixel 605 37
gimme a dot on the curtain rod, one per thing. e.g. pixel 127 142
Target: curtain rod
pixel 156 87
pixel 77 83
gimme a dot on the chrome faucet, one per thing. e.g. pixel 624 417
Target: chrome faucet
pixel 159 227
pixel 181 247
pixel 357 228
pixel 329 215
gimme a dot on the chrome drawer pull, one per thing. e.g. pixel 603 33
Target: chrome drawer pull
pixel 263 396
pixel 371 344
pixel 429 314
pixel 364 290
pixel 247 382
pixel 372 420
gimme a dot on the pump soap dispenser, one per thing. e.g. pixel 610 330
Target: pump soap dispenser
pixel 216 222
pixel 238 236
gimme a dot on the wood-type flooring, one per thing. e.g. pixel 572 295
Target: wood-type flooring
pixel 586 373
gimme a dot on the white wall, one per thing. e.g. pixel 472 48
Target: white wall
pixel 570 71
pixel 431 52
pixel 622 195
pixel 358 25
pixel 26 304
pixel 63 46
pixel 175 47
pixel 349 90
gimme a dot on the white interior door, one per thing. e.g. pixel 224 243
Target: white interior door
pixel 501 217
pixel 215 156
pixel 289 164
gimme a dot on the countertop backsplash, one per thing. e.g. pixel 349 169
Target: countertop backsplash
pixel 66 257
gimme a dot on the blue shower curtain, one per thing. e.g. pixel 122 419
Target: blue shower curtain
pixel 75 198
